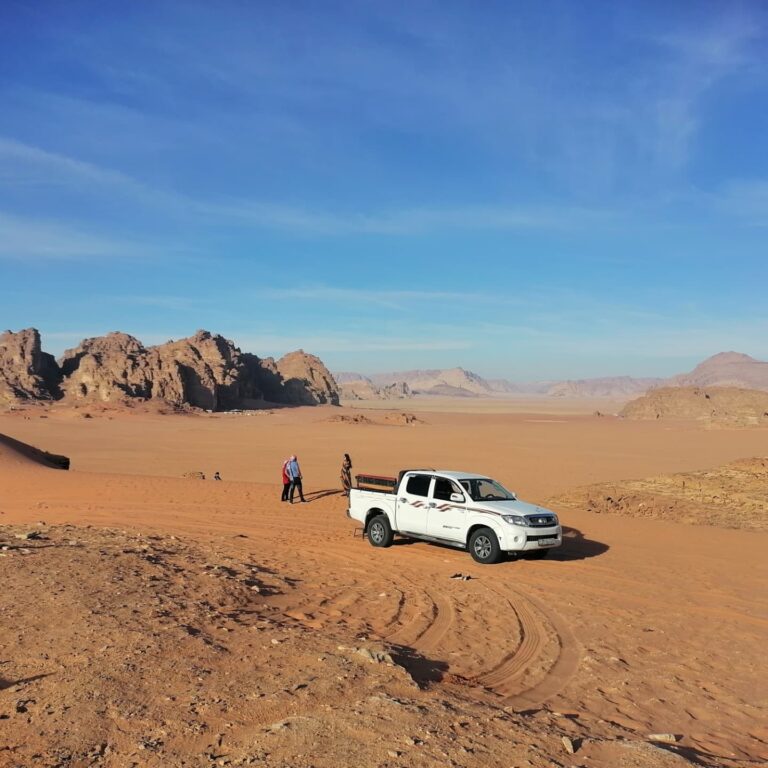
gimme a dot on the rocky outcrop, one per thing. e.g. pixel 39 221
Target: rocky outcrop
pixel 107 368
pixel 206 371
pixel 714 405
pixel 26 372
pixel 203 371
pixel 299 379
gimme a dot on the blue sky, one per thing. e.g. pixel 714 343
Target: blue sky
pixel 531 190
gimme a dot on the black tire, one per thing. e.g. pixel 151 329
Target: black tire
pixel 380 532
pixel 536 554
pixel 484 546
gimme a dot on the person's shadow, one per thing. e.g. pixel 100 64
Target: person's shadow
pixel 423 670
pixel 315 495
pixel 22 681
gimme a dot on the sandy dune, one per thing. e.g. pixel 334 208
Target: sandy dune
pixel 142 641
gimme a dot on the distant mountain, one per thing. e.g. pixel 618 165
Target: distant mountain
pixel 726 369
pixel 344 377
pixel 611 386
pixel 457 381
pixel 364 389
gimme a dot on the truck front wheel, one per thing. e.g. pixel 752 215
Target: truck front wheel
pixel 484 546
pixel 380 532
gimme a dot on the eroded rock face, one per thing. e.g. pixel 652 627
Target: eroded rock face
pixel 306 380
pixel 108 368
pixel 26 372
pixel 204 371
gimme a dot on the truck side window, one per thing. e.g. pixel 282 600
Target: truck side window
pixel 418 485
pixel 444 488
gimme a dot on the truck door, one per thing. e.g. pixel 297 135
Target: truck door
pixel 413 504
pixel 447 517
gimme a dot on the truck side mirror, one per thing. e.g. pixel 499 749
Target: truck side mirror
pixel 457 497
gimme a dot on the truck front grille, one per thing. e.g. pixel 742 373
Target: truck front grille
pixel 540 521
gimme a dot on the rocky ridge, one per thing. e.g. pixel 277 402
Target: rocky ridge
pixel 713 405
pixel 202 371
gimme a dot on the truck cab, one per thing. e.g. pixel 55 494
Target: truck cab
pixel 461 509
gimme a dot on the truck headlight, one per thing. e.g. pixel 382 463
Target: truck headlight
pixel 514 519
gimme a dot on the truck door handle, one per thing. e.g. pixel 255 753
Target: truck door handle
pixel 403 501
pixel 432 504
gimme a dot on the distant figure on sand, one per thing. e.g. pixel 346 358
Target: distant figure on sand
pixel 346 474
pixel 294 473
pixel 286 481
pixel 216 476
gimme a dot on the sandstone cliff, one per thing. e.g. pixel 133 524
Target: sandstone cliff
pixel 204 371
pixel 26 372
pixel 304 379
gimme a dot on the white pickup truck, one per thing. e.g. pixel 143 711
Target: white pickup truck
pixel 460 509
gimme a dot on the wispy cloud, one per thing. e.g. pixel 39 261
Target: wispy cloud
pixel 414 221
pixel 690 66
pixel 27 164
pixel 41 239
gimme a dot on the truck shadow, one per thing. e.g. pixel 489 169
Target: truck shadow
pixel 423 671
pixel 576 546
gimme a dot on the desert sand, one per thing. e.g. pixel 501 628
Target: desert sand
pixel 153 620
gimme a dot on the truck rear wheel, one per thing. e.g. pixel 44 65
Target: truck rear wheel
pixel 484 546
pixel 380 532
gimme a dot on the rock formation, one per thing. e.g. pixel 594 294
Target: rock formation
pixel 304 379
pixel 716 405
pixel 204 371
pixel 26 372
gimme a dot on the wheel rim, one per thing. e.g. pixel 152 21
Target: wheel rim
pixel 483 547
pixel 377 533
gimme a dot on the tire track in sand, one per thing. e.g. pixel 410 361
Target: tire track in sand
pixel 426 637
pixel 536 635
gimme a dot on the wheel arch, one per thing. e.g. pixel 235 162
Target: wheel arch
pixel 370 514
pixel 481 524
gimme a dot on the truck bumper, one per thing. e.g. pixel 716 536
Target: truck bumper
pixel 527 539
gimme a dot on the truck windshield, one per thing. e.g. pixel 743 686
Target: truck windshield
pixel 484 489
